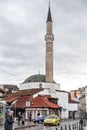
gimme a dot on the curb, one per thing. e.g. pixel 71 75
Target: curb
pixel 22 127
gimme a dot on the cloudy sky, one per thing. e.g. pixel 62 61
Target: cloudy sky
pixel 22 44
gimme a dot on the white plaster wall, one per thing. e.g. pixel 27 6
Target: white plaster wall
pixel 46 91
pixel 73 107
pixel 63 102
pixel 52 86
pixel 48 88
pixel 1 86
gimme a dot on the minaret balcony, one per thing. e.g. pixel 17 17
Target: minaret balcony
pixel 49 38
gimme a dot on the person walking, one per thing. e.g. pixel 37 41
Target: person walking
pixel 23 118
pixel 19 118
pixel 8 125
pixel 30 116
pixel 81 123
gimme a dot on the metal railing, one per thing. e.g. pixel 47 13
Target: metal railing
pixel 74 126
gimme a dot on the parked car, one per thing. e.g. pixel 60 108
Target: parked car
pixel 39 119
pixel 52 120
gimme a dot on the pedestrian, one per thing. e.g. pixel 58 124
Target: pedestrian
pixel 23 118
pixel 6 113
pixel 38 114
pixel 8 125
pixel 19 118
pixel 30 116
pixel 81 122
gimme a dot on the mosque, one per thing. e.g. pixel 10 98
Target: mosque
pixel 46 82
pixel 39 80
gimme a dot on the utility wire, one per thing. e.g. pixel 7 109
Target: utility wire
pixel 8 72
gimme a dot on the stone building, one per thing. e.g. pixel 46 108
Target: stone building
pixel 83 102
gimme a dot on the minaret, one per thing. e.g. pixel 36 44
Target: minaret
pixel 49 37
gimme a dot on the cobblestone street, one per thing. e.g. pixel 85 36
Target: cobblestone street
pixel 32 126
pixel 16 125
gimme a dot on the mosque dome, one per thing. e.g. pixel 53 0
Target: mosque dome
pixel 35 78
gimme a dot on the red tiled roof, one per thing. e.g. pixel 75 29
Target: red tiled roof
pixel 21 93
pixel 11 99
pixel 49 97
pixel 40 101
pixel 21 103
pixel 37 102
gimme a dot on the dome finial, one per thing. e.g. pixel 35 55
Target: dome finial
pixel 39 75
pixel 39 71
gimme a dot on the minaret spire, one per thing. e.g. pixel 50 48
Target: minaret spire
pixel 49 19
pixel 49 37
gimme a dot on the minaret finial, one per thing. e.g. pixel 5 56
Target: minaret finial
pixel 49 3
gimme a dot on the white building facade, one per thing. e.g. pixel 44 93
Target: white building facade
pixel 63 102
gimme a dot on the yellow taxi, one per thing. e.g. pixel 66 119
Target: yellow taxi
pixel 52 120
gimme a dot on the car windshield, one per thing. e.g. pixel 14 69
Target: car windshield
pixel 51 117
